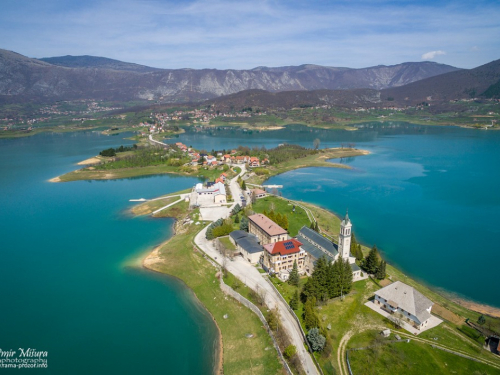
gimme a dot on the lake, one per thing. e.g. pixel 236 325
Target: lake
pixel 70 276
pixel 427 196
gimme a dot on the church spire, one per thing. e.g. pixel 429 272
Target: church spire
pixel 346 218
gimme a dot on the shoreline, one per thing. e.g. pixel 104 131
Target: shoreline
pixel 147 262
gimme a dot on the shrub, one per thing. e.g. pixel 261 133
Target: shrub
pixel 316 340
pixel 290 351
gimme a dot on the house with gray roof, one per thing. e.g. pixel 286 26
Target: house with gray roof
pixel 248 245
pixel 399 298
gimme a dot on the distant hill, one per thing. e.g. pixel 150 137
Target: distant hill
pixel 463 84
pixel 86 77
pixel 96 62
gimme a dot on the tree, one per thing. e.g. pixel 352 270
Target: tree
pixel 312 225
pixel 236 219
pixel 311 319
pixel 371 261
pixel 290 351
pixel 316 340
pixel 294 302
pixel 293 279
pixel 243 223
pixel 356 248
pixel 243 186
pixel 316 227
pixel 339 278
pixel 320 278
pixel 272 319
pixel 253 197
pixel 316 143
pixel 481 320
pixel 285 222
pixel 381 270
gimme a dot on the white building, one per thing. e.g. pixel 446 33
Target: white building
pixel 399 298
pixel 214 194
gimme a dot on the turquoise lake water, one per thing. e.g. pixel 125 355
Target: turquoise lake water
pixel 428 197
pixel 68 283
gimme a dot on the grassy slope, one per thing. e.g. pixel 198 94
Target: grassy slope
pixel 241 355
pixel 352 315
pixel 295 219
pixel 406 358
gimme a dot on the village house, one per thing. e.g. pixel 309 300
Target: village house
pixel 266 230
pixel 258 193
pixel 280 256
pixel 414 307
pixel 247 245
pixel 253 162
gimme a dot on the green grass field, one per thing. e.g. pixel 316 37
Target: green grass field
pixel 413 358
pixel 241 355
pixel 296 219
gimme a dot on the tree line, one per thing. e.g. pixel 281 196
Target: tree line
pixel 147 156
pixel 113 151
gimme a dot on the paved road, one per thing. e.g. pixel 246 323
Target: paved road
pixel 251 277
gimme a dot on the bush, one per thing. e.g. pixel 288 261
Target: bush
pixel 261 171
pixel 316 340
pixel 290 351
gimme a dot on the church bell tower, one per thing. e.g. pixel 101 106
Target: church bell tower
pixel 345 237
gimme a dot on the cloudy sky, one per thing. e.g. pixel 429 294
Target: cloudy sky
pixel 245 34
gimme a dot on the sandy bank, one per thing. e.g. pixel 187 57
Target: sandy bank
pixel 480 308
pixel 89 161
pixel 55 179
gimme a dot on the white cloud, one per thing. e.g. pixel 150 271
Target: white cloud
pixel 431 55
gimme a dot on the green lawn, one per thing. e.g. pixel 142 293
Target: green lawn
pixel 227 243
pixel 413 358
pixel 296 219
pixel 242 355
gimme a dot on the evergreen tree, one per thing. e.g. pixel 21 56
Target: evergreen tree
pixel 320 277
pixel 293 279
pixel 294 302
pixel 243 223
pixel 311 320
pixel 371 261
pixel 285 222
pixel 340 278
pixel 356 248
pixel 316 227
pixel 481 320
pixel 279 219
pixel 237 219
pixel 381 271
pixel 316 340
pixel 243 186
pixel 312 225
pixel 309 290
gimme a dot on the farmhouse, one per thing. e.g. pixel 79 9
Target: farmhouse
pixel 266 230
pixel 258 193
pixel 399 298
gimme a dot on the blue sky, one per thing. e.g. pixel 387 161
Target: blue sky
pixel 226 34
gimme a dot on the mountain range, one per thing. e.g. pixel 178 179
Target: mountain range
pixel 24 79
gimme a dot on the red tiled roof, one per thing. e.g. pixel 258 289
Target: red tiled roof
pixel 267 225
pixel 283 247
